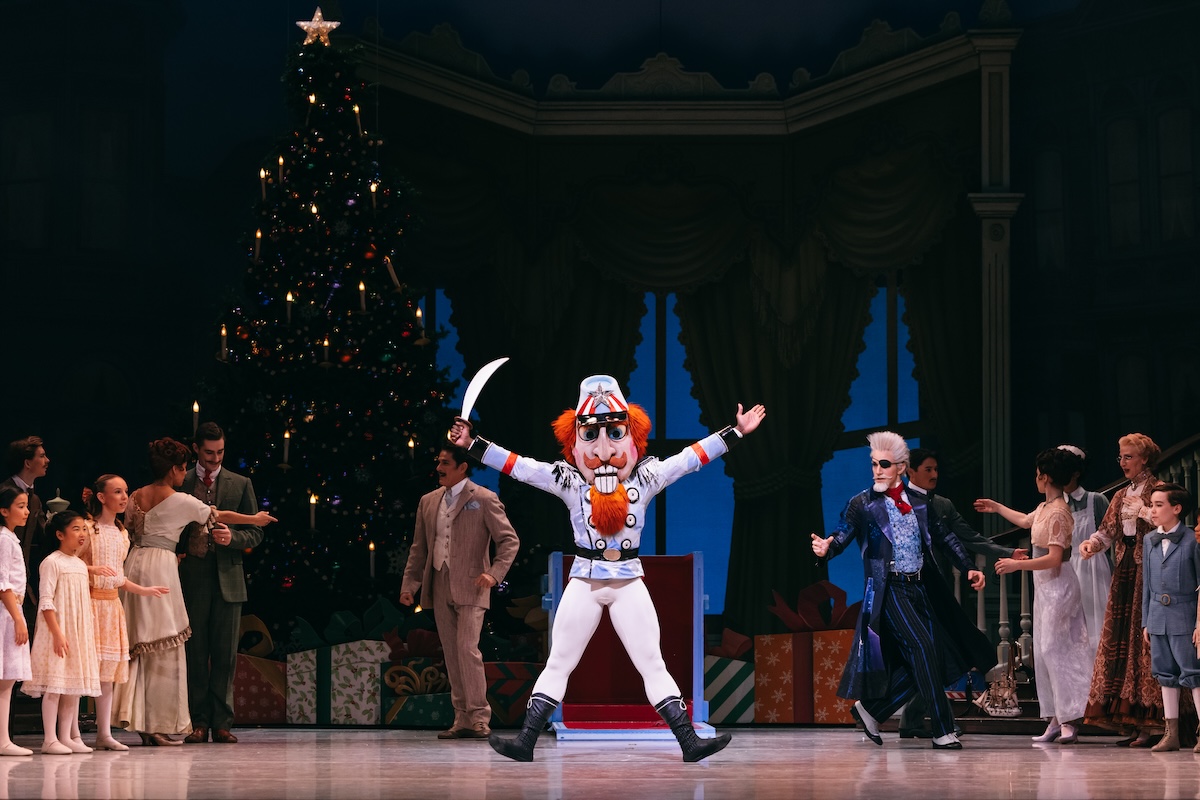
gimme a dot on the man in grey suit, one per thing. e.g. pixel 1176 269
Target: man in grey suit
pixel 922 481
pixel 27 461
pixel 214 588
pixel 450 562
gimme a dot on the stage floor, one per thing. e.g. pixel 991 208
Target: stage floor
pixel 760 763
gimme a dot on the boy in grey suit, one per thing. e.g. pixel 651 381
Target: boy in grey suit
pixel 214 588
pixel 1170 579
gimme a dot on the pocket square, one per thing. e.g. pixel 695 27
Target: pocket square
pixel 472 506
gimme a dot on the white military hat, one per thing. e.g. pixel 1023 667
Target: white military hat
pixel 600 400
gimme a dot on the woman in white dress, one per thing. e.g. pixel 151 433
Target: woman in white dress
pixel 1062 655
pixel 154 701
pixel 1095 574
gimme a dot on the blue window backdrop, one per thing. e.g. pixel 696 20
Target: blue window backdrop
pixel 849 471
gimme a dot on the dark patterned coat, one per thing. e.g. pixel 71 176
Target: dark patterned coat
pixel 865 520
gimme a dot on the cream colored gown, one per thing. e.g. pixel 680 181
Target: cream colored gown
pixel 155 698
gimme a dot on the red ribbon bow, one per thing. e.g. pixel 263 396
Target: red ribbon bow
pixel 895 493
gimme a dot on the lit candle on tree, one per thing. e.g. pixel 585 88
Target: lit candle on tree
pixel 358 120
pixel 312 101
pixel 362 296
pixel 281 169
pixel 387 262
pixel 195 416
pixel 325 346
pixel 374 187
pixel 312 511
pixel 224 345
pixel 262 182
pixel 257 244
pixel 371 547
pixel 287 440
pixel 290 300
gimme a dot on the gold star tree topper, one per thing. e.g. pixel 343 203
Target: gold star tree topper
pixel 317 28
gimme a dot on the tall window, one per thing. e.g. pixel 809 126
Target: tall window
pixel 1124 204
pixel 1176 182
pixel 695 513
pixel 883 396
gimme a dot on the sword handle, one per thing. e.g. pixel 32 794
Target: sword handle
pixel 456 430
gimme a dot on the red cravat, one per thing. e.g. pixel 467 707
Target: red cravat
pixel 894 493
pixel 208 479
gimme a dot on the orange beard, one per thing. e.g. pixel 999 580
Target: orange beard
pixel 609 510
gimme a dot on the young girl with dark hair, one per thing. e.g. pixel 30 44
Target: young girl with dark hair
pixel 1062 655
pixel 14 634
pixel 63 655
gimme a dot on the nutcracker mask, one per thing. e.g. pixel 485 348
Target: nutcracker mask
pixel 604 437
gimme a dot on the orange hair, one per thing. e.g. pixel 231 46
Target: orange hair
pixel 639 428
pixel 1145 446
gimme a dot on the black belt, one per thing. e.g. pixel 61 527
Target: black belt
pixel 905 577
pixel 611 554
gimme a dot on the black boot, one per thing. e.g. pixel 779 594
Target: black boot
pixel 537 714
pixel 674 713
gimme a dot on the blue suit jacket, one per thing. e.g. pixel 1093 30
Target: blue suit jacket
pixel 865 520
pixel 1175 575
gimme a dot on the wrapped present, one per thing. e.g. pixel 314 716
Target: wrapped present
pixel 356 672
pixel 509 685
pixel 422 711
pixel 733 645
pixel 259 691
pixel 782 678
pixel 414 643
pixel 729 690
pixel 784 663
pixel 968 686
pixel 308 673
pixel 830 651
pixel 415 693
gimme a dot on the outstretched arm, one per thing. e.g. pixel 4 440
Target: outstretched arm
pixel 986 506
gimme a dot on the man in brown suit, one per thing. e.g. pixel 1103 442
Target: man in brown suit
pixel 27 461
pixel 450 557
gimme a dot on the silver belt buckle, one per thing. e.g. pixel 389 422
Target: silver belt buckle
pixel 612 554
pixel 1165 600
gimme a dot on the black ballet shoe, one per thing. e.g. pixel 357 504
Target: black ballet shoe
pixel 874 737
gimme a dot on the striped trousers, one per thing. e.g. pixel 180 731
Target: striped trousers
pixel 917 666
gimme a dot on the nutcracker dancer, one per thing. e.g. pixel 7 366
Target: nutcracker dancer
pixel 606 483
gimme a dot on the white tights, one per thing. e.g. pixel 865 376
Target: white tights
pixel 635 621
pixel 60 714
pixel 6 688
pixel 1170 696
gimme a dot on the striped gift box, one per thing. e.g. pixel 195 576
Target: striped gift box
pixel 729 690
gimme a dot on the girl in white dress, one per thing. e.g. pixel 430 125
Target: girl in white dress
pixel 14 634
pixel 154 701
pixel 63 655
pixel 1062 660
pixel 104 555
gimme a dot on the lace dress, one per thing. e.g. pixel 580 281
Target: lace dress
pixel 107 547
pixel 1062 660
pixel 154 699
pixel 63 589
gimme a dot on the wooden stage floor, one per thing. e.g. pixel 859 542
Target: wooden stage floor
pixel 760 763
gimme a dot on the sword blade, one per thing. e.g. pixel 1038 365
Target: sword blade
pixel 476 385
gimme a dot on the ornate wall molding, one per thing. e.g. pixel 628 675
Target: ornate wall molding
pixel 662 78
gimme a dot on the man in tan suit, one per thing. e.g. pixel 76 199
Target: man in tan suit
pixel 450 557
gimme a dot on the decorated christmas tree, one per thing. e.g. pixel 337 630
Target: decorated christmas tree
pixel 328 387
